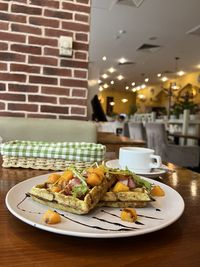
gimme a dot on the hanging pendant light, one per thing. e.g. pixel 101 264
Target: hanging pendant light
pixel 174 85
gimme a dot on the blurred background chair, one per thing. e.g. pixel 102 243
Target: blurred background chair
pixel 184 156
pixel 135 130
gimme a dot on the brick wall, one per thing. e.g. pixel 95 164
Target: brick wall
pixel 34 80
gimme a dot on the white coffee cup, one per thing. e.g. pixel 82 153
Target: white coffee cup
pixel 138 159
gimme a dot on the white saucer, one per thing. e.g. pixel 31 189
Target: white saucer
pixel 114 164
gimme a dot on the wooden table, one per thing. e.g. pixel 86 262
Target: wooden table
pixel 113 142
pixel 176 245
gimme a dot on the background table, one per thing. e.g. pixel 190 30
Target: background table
pixel 113 142
pixel 176 245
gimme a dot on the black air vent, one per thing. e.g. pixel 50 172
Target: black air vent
pixel 149 48
pixel 167 72
pixel 195 31
pixel 126 63
pixel 134 3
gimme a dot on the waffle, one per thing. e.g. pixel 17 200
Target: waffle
pixel 44 194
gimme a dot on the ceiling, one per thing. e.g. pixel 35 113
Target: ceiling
pixel 120 27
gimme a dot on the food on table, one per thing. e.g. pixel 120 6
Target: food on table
pixel 74 191
pixel 129 215
pixel 157 191
pixel 129 190
pixel 51 217
pixel 79 191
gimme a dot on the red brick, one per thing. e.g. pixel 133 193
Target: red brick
pixel 12 57
pixel 42 41
pixel 57 72
pixel 3 46
pixel 12 77
pixel 55 90
pixel 80 74
pixel 51 51
pixel 4 6
pixel 81 55
pixel 40 98
pixel 57 33
pixel 75 26
pixel 83 1
pixel 12 97
pixel 25 107
pixel 53 23
pixel 81 17
pixel 27 49
pixel 4 26
pixel 55 109
pixel 3 66
pixel 48 3
pixel 72 117
pixel 13 17
pixel 73 83
pixel 2 87
pixel 23 88
pixel 78 111
pixel 58 14
pixel 25 29
pixel 79 93
pixel 12 114
pixel 80 46
pixel 81 37
pixel 25 9
pixel 73 101
pixel 73 64
pixel 18 38
pixel 43 60
pixel 43 80
pixel 75 7
pixel 37 115
pixel 2 105
pixel 24 68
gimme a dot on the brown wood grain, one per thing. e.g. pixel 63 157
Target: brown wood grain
pixel 176 245
pixel 113 142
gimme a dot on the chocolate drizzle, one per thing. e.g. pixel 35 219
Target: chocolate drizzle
pixel 121 226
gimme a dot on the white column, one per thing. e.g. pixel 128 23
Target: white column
pixel 186 116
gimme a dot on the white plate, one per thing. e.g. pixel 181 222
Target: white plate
pixel 153 174
pixel 100 223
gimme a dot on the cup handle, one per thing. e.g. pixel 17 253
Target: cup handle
pixel 158 162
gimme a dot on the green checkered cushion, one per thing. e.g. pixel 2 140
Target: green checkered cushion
pixel 75 151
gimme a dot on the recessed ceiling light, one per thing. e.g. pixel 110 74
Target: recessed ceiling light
pixel 120 77
pixel 159 75
pixel 112 103
pixel 99 81
pixel 146 80
pixel 105 85
pixel 180 73
pixel 105 76
pixel 124 100
pixel 198 66
pixel 127 87
pixel 100 88
pixel 112 82
pixel 164 79
pixel 104 58
pixel 133 84
pixel 143 86
pixel 111 70
pixel 122 60
pixel 134 89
